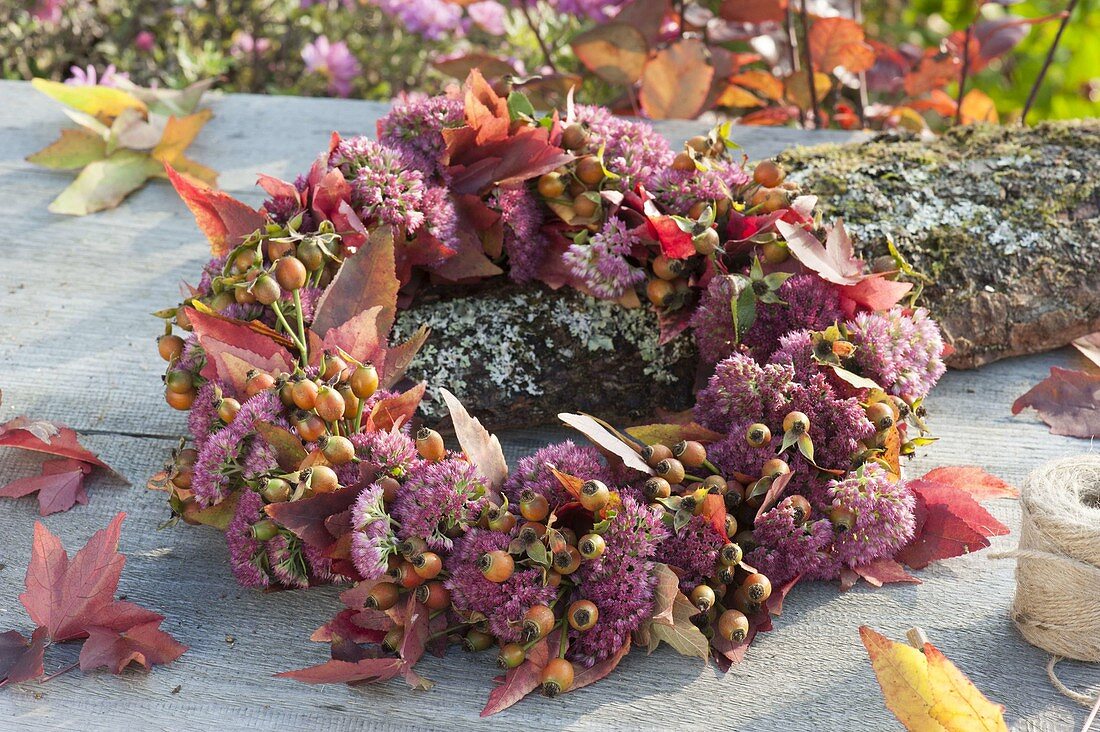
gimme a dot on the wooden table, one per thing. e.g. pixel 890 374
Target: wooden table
pixel 76 345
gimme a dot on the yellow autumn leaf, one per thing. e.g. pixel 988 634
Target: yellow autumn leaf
pixel 179 133
pixel 925 691
pixel 978 107
pixel 98 101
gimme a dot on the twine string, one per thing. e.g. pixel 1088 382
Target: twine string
pixel 1057 603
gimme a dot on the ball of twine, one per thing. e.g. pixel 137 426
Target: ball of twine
pixel 1057 604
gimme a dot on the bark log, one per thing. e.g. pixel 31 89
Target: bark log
pixel 517 355
pixel 1006 220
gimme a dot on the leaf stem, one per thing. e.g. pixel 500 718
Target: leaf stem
pixel 538 35
pixel 290 331
pixel 963 72
pixel 1046 61
pixel 804 19
pixel 359 414
pixel 563 641
pixel 301 323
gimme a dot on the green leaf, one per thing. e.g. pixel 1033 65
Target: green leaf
pixel 789 439
pixel 88 121
pixel 859 382
pixel 806 447
pixel 104 183
pixel 759 488
pixel 289 452
pixel 537 551
pixel 776 279
pixel 756 271
pixel 98 101
pixel 744 312
pixel 74 149
pixel 519 106
pixel 681 519
pixel 771 298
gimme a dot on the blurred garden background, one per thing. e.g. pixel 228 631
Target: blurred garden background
pixel 378 49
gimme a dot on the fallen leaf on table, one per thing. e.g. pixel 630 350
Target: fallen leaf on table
pixel 1068 401
pixel 975 481
pixel 1089 346
pixel 126 136
pixel 73 599
pixel 523 679
pixel 949 522
pixel 925 691
pixel 482 448
pixel 59 487
pixel 21 659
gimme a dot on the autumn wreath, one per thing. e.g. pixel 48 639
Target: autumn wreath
pixel 306 449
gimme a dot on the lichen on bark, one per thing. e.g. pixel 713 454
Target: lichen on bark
pixel 1006 220
pixel 520 355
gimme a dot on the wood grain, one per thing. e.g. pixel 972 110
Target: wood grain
pixel 75 345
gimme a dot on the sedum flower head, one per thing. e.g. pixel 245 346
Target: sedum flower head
pixel 694 551
pixel 533 471
pixel 384 189
pixel 503 604
pixel 632 150
pixel 712 321
pixel 220 457
pixel 438 501
pixel 902 352
pixel 372 540
pixel 601 262
pixel 524 241
pixel 809 303
pixel 246 555
pixel 677 191
pixel 741 390
pixel 787 549
pixel 414 127
pixel 884 520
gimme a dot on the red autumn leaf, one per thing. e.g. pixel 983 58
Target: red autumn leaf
pixel 343 625
pixel 146 645
pixel 306 518
pixel 770 117
pixel 753 11
pixel 59 487
pixel 714 511
pixel 20 659
pixel 883 571
pixel 837 42
pixel 615 52
pixel 400 356
pixel 417 630
pixel 460 67
pixel 975 481
pixel 935 70
pixel 585 676
pixel 876 292
pixel 977 106
pixel 233 347
pixel 835 261
pixel 949 523
pixel 48 437
pixel 779 484
pixel 277 188
pixel 397 410
pixel 225 220
pixel 65 596
pixel 482 448
pixel 523 679
pixel 368 670
pixel 1067 400
pixel 676 81
pixel 364 281
pixel 359 337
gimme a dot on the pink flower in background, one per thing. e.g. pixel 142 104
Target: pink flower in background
pixel 489 15
pixel 335 61
pixel 245 44
pixel 48 11
pixel 88 76
pixel 145 41
pixel 431 19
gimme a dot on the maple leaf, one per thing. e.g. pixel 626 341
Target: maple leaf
pixel 234 347
pixel 840 42
pixel 949 523
pixel 876 573
pixel 306 518
pixel 925 691
pixel 59 487
pixel 835 261
pixel 876 292
pixel 523 679
pixel 482 448
pixel 65 596
pixel 592 674
pixel 366 280
pixel 675 242
pixel 1068 401
pixel 397 410
pixel 20 659
pixel 975 481
pixel 51 438
pixel 223 219
pixel 145 644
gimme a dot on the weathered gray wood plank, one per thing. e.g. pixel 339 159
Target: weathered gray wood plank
pixel 75 345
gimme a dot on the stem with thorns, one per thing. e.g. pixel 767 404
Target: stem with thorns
pixel 1046 61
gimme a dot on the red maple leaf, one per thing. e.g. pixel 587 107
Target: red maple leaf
pixel 225 220
pixel 975 481
pixel 835 261
pixel 523 679
pixel 949 523
pixel 1067 400
pixel 20 659
pixel 335 671
pixel 146 645
pixel 59 487
pixel 876 292
pixel 51 438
